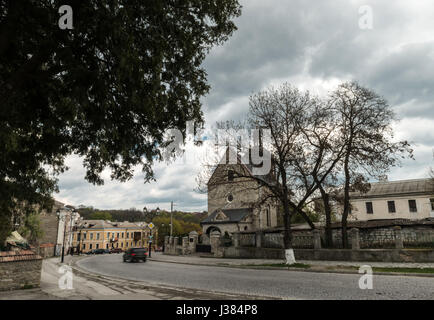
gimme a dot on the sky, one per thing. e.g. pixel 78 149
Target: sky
pixel 387 46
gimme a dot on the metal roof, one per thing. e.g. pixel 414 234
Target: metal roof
pixel 397 188
pixel 233 215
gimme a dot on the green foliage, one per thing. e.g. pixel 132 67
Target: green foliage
pixel 100 215
pixel 298 218
pixel 183 222
pixel 106 90
pixel 31 228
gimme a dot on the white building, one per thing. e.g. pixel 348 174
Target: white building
pixel 67 219
pixel 405 199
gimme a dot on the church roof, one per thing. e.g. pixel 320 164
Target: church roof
pixel 230 216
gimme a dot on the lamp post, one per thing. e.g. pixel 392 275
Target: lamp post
pixel 145 213
pixel 62 218
pixel 171 218
pixel 150 215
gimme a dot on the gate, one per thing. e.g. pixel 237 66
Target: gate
pixel 206 248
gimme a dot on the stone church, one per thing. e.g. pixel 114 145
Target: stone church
pixel 238 200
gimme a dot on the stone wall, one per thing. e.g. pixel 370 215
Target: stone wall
pixel 368 255
pixel 19 270
pixel 370 238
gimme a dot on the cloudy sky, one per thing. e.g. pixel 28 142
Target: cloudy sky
pixel 314 45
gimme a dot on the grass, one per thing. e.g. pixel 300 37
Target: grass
pixel 281 265
pixel 404 270
pixel 387 269
pixel 340 267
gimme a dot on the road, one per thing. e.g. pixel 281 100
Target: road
pixel 266 283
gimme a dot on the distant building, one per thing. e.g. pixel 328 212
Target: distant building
pixel 405 199
pixel 67 219
pixel 103 234
pixel 236 200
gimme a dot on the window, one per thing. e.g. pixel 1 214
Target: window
pixel 122 235
pixel 108 235
pixel 432 204
pixel 412 205
pixel 90 246
pixel 391 206
pixel 369 208
pixel 230 175
pixel 128 235
pixel 122 245
pixel 97 245
pixel 84 246
pixel 84 236
pixel 230 198
pixel 267 213
pixel 106 246
pixel 97 236
pixel 117 235
pixel 91 236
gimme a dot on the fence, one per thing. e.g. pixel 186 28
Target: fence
pixel 369 238
pixel 248 240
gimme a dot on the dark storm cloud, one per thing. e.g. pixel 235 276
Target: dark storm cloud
pixel 312 44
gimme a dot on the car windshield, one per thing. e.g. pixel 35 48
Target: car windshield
pixel 139 250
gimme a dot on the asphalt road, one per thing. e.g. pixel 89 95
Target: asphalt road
pixel 267 283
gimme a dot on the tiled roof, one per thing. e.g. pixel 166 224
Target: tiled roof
pixel 104 224
pixel 397 188
pixel 11 256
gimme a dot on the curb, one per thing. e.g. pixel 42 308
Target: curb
pixel 259 267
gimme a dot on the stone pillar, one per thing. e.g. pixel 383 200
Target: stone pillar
pixel 316 239
pixel 175 244
pixel 193 240
pixel 355 239
pixel 236 239
pixel 166 244
pixel 215 241
pixel 399 241
pixel 184 249
pixel 259 239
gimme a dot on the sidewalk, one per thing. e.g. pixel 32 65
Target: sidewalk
pixel 202 260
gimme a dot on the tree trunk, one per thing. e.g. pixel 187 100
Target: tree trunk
pixel 345 244
pixel 287 237
pixel 328 216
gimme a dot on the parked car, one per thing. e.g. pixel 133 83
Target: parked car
pixel 135 254
pixel 116 250
pixel 100 251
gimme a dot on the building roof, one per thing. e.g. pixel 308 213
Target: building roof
pixel 105 224
pixel 230 216
pixel 397 188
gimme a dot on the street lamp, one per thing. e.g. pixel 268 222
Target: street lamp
pixel 150 216
pixel 145 213
pixel 62 218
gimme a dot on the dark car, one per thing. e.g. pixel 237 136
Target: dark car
pixel 116 250
pixel 99 251
pixel 135 254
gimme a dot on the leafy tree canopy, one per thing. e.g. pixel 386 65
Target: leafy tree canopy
pixel 106 90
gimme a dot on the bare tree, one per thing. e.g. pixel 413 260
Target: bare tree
pixel 365 124
pixel 300 145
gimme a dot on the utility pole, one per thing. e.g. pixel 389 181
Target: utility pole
pixel 171 218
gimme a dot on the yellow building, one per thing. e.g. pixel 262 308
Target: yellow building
pixel 102 234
